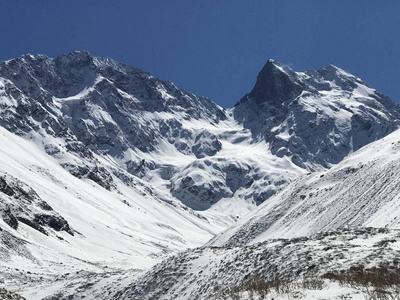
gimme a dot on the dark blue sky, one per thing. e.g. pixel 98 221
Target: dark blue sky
pixel 214 48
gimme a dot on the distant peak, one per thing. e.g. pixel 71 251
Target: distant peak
pixel 77 54
pixel 341 77
pixel 275 83
pixel 74 55
pixel 272 61
pixel 29 58
pixel 271 64
pixel 33 56
pixel 79 58
pixel 274 67
pixel 334 70
pixel 331 69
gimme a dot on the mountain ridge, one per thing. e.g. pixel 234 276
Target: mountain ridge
pixel 105 109
pixel 315 102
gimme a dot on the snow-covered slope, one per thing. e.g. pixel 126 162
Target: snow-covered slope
pixel 54 223
pixel 362 190
pixel 299 267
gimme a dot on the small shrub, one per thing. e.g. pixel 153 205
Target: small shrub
pixel 312 282
pixel 280 286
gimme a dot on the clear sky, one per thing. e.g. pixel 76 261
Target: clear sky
pixel 214 48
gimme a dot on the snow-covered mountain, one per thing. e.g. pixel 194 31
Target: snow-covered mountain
pixel 85 109
pixel 106 168
pixel 315 118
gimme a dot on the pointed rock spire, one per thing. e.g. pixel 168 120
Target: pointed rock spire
pixel 276 84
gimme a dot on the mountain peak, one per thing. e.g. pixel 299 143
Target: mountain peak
pixel 77 53
pixel 32 57
pixel 272 66
pixel 275 84
pixel 271 61
pixel 332 69
pixel 78 58
pixel 340 77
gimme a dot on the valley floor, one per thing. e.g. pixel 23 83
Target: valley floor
pixel 359 263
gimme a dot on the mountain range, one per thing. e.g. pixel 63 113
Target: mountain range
pixel 107 170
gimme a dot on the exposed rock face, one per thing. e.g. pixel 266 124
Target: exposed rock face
pixel 99 106
pixel 20 203
pixel 205 144
pixel 206 181
pixel 7 295
pixel 102 101
pixel 276 84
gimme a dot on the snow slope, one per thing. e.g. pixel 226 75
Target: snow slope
pixel 362 190
pixel 129 229
pixel 223 273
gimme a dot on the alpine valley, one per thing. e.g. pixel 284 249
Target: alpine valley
pixel 117 185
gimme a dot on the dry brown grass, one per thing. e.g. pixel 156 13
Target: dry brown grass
pixel 379 283
pixel 280 286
